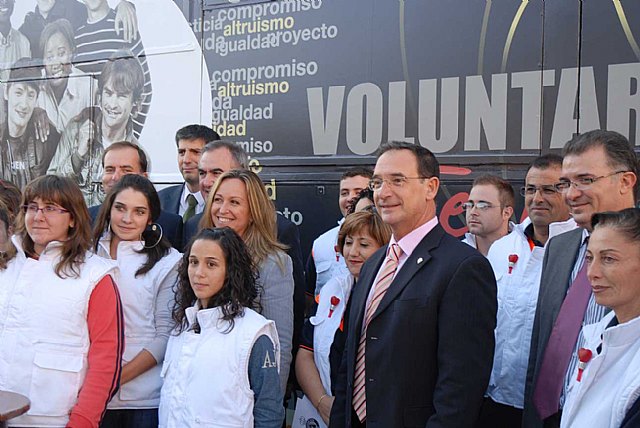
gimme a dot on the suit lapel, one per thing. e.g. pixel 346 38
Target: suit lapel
pixel 176 199
pixel 420 257
pixel 562 270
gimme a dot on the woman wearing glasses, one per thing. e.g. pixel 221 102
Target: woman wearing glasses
pixel 361 234
pixel 126 232
pixel 239 200
pixel 61 327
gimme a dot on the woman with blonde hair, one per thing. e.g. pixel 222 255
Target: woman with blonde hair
pixel 239 200
pixel 61 327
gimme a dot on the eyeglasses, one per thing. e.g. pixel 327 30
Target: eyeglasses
pixel 47 210
pixel 583 183
pixel 481 205
pixel 545 189
pixel 395 181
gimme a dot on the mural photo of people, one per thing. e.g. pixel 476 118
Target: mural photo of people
pixel 75 76
pixel 79 153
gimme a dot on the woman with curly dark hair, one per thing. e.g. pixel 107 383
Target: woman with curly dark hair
pixel 222 362
pixel 126 232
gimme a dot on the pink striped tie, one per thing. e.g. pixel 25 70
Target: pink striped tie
pixel 379 290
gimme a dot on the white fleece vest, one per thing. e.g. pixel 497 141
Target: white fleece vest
pixel 44 333
pixel 206 381
pixel 138 295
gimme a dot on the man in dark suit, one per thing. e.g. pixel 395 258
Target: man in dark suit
pixel 420 339
pixel 128 158
pixel 185 199
pixel 599 173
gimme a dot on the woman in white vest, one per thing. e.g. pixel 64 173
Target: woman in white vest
pixel 61 326
pixel 239 200
pixel 221 367
pixel 605 390
pixel 318 360
pixel 126 232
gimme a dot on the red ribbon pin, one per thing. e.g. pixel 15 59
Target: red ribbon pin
pixel 513 258
pixel 334 302
pixel 584 355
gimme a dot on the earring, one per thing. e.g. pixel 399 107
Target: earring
pixel 154 227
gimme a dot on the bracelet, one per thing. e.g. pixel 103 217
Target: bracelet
pixel 320 400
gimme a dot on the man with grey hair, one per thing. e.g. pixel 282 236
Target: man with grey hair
pixel 599 173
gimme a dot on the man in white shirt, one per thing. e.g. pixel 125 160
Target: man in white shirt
pixel 489 209
pixel 185 199
pixel 517 263
pixel 324 261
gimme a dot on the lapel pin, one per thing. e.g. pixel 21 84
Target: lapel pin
pixel 334 302
pixel 584 355
pixel 420 260
pixel 513 259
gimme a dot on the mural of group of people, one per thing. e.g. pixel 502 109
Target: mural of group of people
pixel 74 78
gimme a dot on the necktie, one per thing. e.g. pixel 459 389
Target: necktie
pixel 379 290
pixel 546 395
pixel 191 210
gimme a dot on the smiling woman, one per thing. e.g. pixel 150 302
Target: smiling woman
pixel 239 200
pixel 61 309
pixel 125 232
pixel 610 382
pixel 67 90
pixel 361 234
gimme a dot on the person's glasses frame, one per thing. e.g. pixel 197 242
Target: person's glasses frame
pixel 395 181
pixel 47 210
pixel 583 183
pixel 480 205
pixel 544 189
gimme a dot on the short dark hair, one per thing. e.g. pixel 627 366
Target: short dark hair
pixel 142 156
pixel 125 73
pixel 240 288
pixel 61 26
pixel 626 221
pixel 194 132
pixel 428 165
pixel 25 71
pixel 357 171
pixel 237 152
pixel 156 245
pixel 619 151
pixel 505 190
pixel 550 160
pixel 366 193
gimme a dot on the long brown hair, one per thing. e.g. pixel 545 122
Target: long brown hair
pixel 64 192
pixel 261 235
